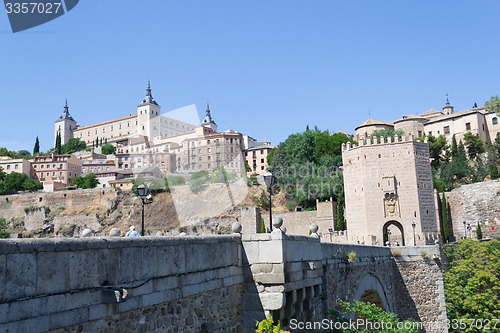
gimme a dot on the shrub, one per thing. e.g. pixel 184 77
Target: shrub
pixel 479 232
pixel 267 326
pixel 351 256
pixel 58 210
pixel 3 229
pixel 262 226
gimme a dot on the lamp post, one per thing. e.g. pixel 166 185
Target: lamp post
pixel 330 230
pixel 146 199
pixel 413 225
pixel 465 231
pixel 269 179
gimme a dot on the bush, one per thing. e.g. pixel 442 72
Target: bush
pixel 472 287
pixel 267 326
pixel 262 226
pixel 58 210
pixel 3 229
pixel 479 232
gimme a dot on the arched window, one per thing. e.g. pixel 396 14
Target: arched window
pixel 495 121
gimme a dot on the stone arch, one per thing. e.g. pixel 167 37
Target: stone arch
pixel 396 224
pixel 371 289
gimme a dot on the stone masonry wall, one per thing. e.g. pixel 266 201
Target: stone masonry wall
pixel 103 284
pixel 399 278
pixel 477 203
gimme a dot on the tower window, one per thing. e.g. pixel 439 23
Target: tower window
pixel 495 121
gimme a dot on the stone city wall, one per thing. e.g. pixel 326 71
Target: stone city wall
pixel 477 203
pixel 121 284
pixel 206 284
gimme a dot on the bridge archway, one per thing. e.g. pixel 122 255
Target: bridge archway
pixel 370 289
pixel 388 232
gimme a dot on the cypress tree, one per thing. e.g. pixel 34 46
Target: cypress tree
pixel 262 227
pixel 444 216
pixel 36 149
pixel 340 214
pixel 106 141
pixel 58 147
pixel 100 144
pixel 454 147
pixel 479 232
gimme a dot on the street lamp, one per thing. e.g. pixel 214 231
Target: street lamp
pixel 146 199
pixel 269 179
pixel 330 230
pixel 465 231
pixel 413 225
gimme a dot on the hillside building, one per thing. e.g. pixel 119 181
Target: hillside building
pixel 147 121
pixel 479 121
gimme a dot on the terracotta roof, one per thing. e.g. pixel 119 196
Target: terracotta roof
pixel 431 113
pixel 371 122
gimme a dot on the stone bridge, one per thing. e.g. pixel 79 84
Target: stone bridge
pixel 207 284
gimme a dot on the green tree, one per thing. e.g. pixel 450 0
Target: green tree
pixel 340 214
pixel 58 146
pixel 494 172
pixel 444 217
pixel 24 154
pixel 36 149
pixel 263 201
pixel 437 150
pixel 493 104
pixel 472 287
pixel 474 106
pixel 15 182
pixel 474 144
pixel 73 145
pixel 172 181
pixel 3 229
pixel 2 174
pixel 454 146
pixel 479 232
pixel 108 149
pixel 88 181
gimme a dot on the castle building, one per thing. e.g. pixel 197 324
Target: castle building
pixel 479 121
pixel 202 149
pixel 388 188
pixel 148 122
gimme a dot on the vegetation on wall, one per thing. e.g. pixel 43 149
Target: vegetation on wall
pixel 306 166
pixel 88 181
pixel 3 229
pixel 457 163
pixel 15 182
pixel 372 315
pixel 472 283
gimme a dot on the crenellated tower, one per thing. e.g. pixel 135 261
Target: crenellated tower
pixel 389 194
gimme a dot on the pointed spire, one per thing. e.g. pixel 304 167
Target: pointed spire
pixel 208 118
pixel 447 101
pixel 66 108
pixel 149 97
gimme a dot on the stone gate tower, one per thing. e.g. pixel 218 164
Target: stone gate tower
pixel 388 188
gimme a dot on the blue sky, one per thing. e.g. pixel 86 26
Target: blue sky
pixel 268 68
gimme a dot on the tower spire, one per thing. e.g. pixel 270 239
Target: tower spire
pixel 66 108
pixel 447 101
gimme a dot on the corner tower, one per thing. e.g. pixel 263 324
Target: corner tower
pixel 64 125
pixel 147 115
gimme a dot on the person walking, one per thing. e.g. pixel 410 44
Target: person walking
pixel 132 232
